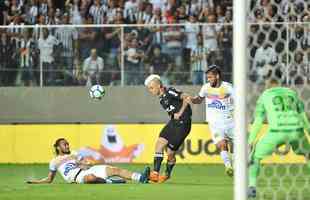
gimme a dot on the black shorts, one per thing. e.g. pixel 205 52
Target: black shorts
pixel 175 132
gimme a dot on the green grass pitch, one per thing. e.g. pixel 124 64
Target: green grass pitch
pixel 189 182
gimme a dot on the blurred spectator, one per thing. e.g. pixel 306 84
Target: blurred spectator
pixel 160 63
pixel 87 38
pixel 299 70
pixel 198 62
pixel 7 60
pixel 27 54
pixel 191 32
pixel 67 37
pixel 92 68
pixel 98 12
pixel 133 62
pixel 74 11
pixel 264 55
pixel 210 39
pixel 130 11
pixel 225 44
pixel 173 46
pixel 47 45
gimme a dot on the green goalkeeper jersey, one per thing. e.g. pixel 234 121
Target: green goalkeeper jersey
pixel 283 109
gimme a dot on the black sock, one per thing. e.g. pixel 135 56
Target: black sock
pixel 169 168
pixel 158 158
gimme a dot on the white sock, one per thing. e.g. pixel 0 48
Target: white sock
pixel 135 176
pixel 225 157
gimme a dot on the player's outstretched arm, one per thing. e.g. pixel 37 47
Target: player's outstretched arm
pixel 196 99
pixel 49 179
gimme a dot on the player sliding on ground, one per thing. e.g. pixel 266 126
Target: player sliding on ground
pixel 76 169
pixel 176 130
pixel 287 122
pixel 218 95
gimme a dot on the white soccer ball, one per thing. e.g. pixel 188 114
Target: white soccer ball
pixel 96 92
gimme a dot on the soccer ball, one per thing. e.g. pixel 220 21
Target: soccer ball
pixel 96 92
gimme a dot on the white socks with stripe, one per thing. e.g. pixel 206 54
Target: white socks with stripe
pixel 136 176
pixel 225 157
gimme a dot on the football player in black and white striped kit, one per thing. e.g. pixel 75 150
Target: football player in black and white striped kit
pixel 176 130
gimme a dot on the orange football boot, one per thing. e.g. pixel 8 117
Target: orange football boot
pixel 163 178
pixel 154 176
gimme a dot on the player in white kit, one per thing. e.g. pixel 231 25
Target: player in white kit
pixel 75 169
pixel 218 95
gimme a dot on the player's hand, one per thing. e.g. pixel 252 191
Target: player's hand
pixel 188 99
pixel 29 182
pixel 176 116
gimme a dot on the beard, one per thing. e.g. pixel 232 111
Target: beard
pixel 66 152
pixel 214 84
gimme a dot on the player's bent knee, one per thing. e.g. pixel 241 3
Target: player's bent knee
pixel 111 171
pixel 171 157
pixel 90 178
pixel 160 144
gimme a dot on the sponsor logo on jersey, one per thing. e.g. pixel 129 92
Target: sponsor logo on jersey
pixel 69 167
pixel 217 105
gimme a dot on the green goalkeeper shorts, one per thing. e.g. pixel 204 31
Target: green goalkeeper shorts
pixel 274 138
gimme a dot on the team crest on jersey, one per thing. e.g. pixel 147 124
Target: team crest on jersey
pixel 217 105
pixel 69 167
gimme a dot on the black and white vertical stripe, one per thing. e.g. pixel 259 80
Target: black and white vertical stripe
pixel 67 36
pixel 199 58
pixel 98 13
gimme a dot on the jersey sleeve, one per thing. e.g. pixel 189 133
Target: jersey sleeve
pixel 202 92
pixel 301 110
pixel 52 166
pixel 259 117
pixel 174 93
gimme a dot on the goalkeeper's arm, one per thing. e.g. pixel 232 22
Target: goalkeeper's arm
pixel 306 122
pixel 258 121
pixel 301 109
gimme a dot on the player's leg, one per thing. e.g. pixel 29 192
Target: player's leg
pixel 180 131
pixel 101 174
pixel 223 146
pixel 263 148
pixel 171 160
pixel 161 143
pixel 123 173
pixel 300 145
pixel 219 139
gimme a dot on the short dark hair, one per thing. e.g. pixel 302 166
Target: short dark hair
pixel 57 142
pixel 215 70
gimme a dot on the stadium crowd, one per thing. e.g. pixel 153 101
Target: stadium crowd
pixel 179 53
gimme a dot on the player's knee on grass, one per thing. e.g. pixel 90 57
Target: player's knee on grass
pixel 222 145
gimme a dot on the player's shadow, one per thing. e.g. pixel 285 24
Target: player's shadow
pixel 197 184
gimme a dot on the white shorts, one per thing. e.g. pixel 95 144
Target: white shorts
pixel 97 170
pixel 220 133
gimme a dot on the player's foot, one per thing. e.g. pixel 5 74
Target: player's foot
pixel 229 171
pixel 154 176
pixel 252 192
pixel 145 175
pixel 163 178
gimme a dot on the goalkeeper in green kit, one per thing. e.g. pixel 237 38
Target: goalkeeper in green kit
pixel 287 123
